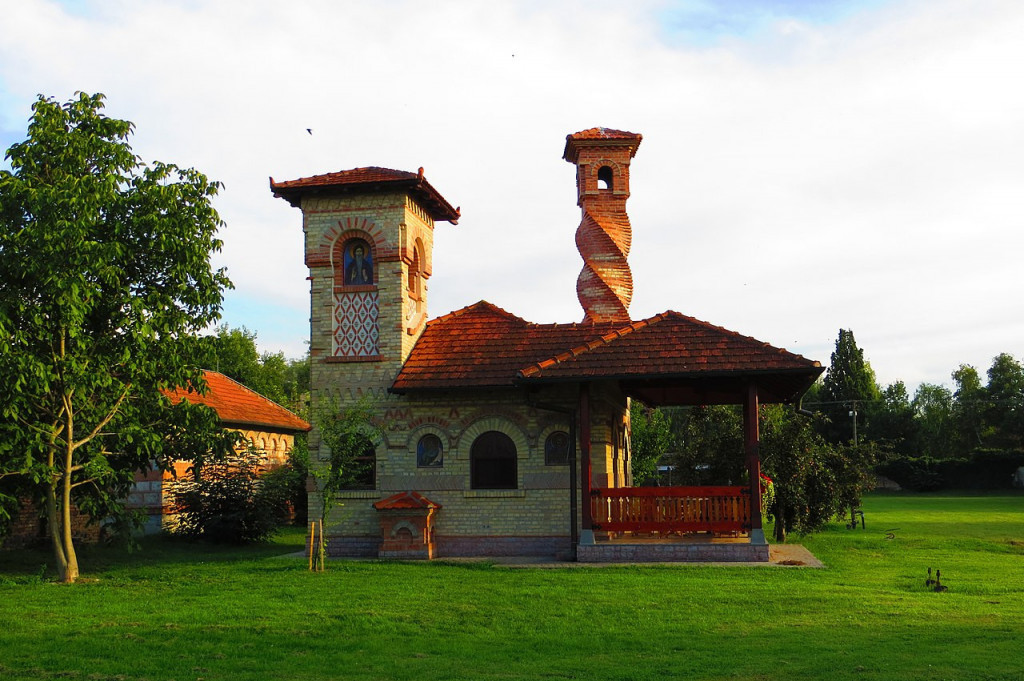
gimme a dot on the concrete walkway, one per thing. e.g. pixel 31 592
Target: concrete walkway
pixel 782 555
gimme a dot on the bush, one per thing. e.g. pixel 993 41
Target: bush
pixel 286 484
pixel 984 469
pixel 231 502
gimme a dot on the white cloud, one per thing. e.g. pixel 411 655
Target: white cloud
pixel 861 173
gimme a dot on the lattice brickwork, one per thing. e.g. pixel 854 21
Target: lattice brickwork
pixel 355 324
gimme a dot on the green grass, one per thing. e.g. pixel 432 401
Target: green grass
pixel 177 611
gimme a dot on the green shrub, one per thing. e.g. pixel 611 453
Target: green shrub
pixel 984 469
pixel 230 502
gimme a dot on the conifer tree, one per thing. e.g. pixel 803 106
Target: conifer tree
pixel 848 390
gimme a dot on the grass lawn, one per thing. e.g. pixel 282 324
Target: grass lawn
pixel 176 611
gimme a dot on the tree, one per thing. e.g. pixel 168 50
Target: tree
pixel 105 279
pixel 233 353
pixel 849 384
pixel 710 449
pixel 933 410
pixel 348 434
pixel 1005 409
pixel 969 403
pixel 814 481
pixel 650 438
pixel 893 423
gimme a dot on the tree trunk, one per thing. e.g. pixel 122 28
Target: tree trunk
pixel 54 526
pixel 69 573
pixel 68 568
pixel 780 522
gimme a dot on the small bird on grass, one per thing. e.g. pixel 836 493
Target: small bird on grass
pixel 939 586
pixel 929 581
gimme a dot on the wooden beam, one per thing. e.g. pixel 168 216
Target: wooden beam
pixel 585 474
pixel 752 445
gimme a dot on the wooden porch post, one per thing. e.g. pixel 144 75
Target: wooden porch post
pixel 752 443
pixel 587 535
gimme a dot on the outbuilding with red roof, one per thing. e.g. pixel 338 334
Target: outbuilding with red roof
pixel 266 426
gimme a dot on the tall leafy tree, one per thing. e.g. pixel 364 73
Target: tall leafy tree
pixel 233 352
pixel 893 423
pixel 933 407
pixel 105 277
pixel 814 481
pixel 970 400
pixel 1005 392
pixel 710 449
pixel 849 387
pixel 650 439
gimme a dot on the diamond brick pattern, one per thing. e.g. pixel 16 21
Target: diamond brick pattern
pixel 355 324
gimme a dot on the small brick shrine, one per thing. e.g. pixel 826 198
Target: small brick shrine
pixel 406 526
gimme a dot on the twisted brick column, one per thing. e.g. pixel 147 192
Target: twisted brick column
pixel 605 284
pixel 601 157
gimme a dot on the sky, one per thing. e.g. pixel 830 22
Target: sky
pixel 806 165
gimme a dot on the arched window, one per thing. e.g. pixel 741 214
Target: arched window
pixel 359 470
pixel 492 462
pixel 358 263
pixel 414 272
pixel 556 449
pixel 429 452
pixel 604 178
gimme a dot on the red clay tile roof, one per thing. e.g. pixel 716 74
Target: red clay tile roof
pixel 603 134
pixel 668 344
pixel 368 180
pixel 485 346
pixel 591 135
pixel 404 500
pixel 237 405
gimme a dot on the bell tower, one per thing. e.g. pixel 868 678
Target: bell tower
pixel 368 242
pixel 602 157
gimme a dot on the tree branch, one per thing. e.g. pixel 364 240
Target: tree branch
pixel 106 419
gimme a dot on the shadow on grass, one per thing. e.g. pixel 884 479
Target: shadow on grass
pixel 36 563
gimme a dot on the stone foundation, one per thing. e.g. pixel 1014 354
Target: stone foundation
pixel 672 553
pixel 352 547
pixel 558 547
pixel 456 547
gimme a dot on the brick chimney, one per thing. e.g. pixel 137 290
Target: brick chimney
pixel 602 156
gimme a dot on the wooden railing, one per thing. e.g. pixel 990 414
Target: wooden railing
pixel 671 509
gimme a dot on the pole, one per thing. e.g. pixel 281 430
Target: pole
pixel 587 535
pixel 752 443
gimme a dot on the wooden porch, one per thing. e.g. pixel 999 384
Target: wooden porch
pixel 671 510
pixel 634 524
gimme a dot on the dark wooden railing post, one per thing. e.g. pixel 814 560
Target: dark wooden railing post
pixel 752 442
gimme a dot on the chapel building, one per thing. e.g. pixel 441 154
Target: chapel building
pixel 505 437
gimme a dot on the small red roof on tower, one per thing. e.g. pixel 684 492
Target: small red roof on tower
pixel 366 180
pixel 599 136
pixel 237 405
